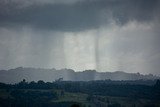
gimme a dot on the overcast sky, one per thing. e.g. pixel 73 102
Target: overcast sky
pixel 106 35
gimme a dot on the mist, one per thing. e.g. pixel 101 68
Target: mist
pixel 101 35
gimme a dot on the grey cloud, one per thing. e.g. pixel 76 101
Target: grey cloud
pixel 132 48
pixel 110 34
pixel 87 14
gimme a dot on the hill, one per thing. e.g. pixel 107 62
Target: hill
pixel 49 75
pixel 80 93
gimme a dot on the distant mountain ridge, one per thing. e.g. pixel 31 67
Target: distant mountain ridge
pixel 49 75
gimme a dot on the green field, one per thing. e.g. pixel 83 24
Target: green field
pixel 82 94
pixel 86 100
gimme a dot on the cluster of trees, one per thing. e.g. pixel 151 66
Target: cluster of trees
pixel 94 87
pixel 42 93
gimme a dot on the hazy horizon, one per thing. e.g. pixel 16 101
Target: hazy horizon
pixel 105 35
pixel 78 70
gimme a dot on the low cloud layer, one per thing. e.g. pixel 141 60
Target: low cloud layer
pixel 78 16
pixel 106 35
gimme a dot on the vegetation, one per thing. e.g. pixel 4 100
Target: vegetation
pixel 79 94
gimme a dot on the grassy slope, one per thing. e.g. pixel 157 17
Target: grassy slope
pixel 97 100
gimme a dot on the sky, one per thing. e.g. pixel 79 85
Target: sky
pixel 105 35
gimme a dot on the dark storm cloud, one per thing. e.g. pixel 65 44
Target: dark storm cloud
pixel 106 35
pixel 78 16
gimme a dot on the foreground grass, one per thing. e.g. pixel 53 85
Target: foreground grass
pixel 90 100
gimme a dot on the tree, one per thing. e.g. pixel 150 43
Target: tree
pixel 75 105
